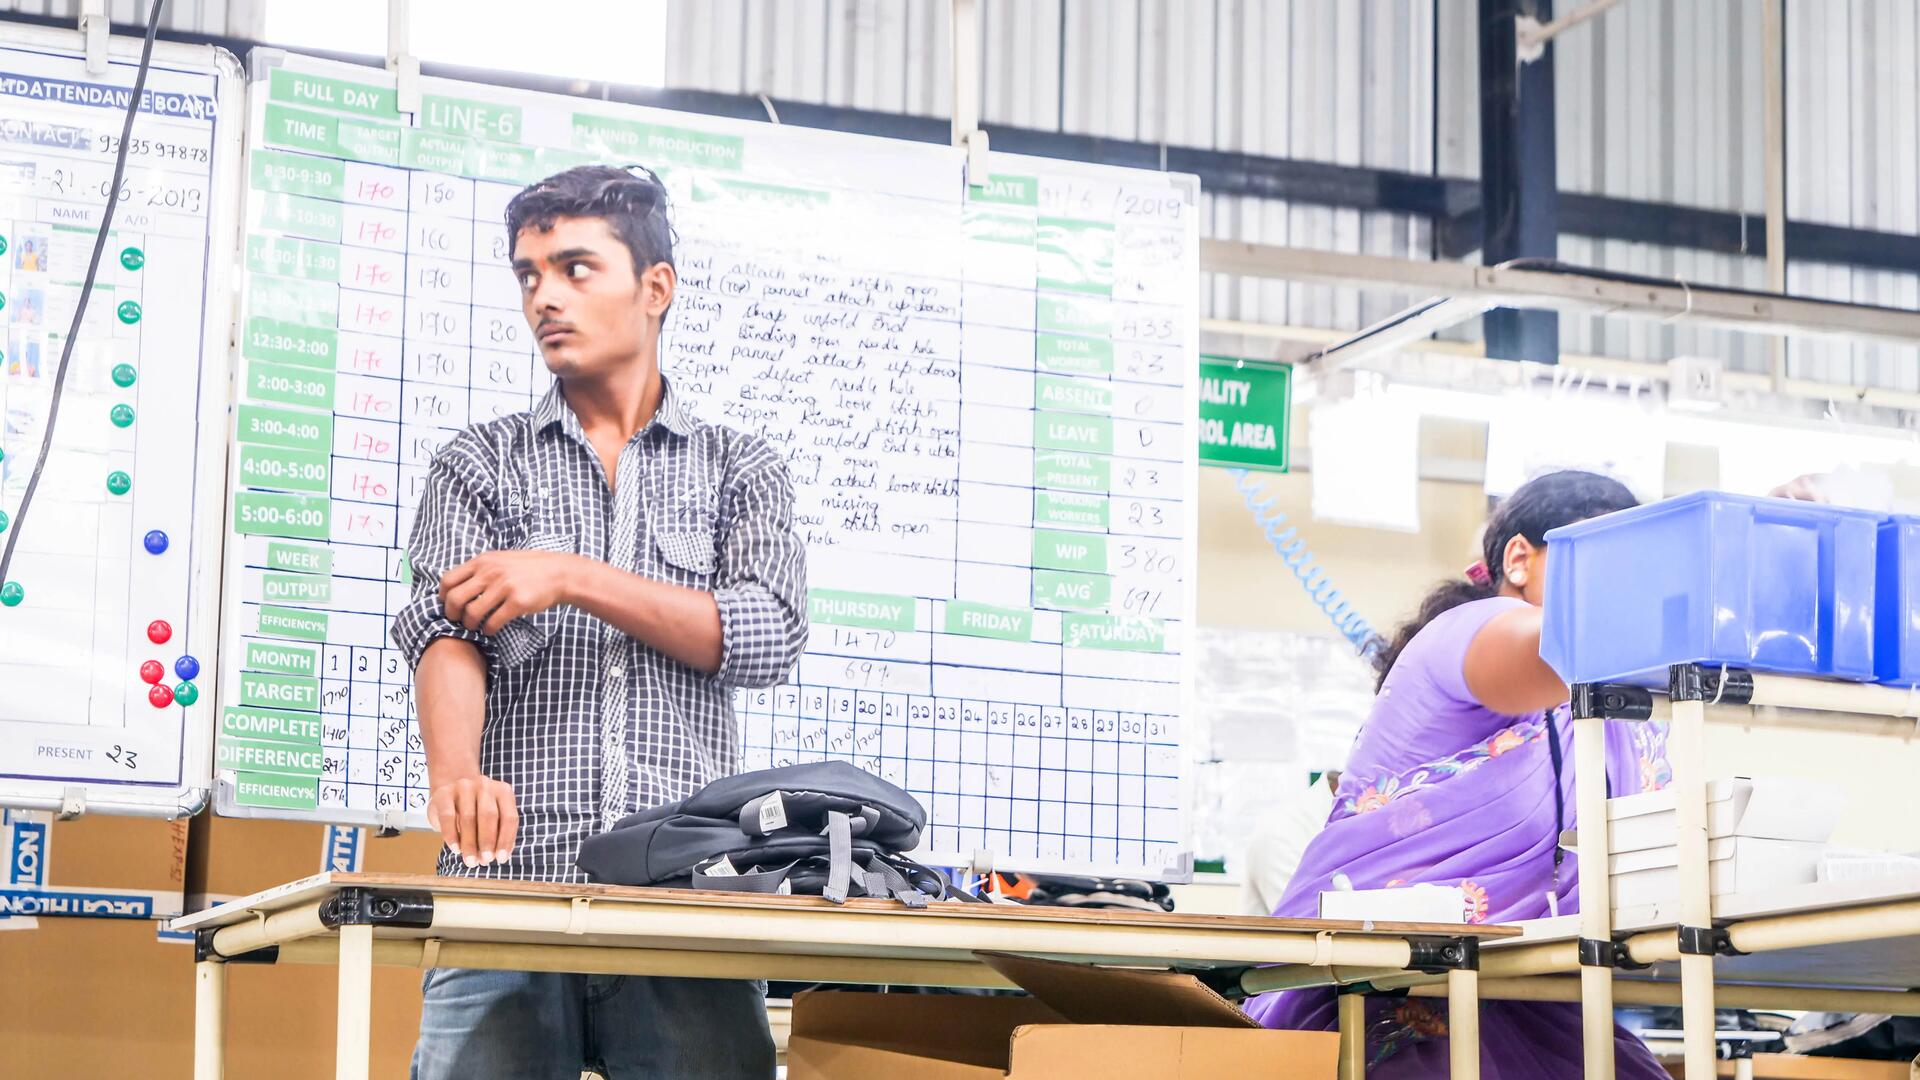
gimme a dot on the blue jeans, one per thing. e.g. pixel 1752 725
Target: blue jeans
pixel 525 1025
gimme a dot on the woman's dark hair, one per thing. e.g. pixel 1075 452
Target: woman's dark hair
pixel 1541 505
pixel 632 201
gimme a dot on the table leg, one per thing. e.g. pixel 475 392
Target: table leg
pixel 1596 896
pixel 209 1020
pixel 1353 1036
pixel 1743 1068
pixel 1463 1024
pixel 354 1033
pixel 1687 751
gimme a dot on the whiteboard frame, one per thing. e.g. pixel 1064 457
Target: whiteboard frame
pixel 264 60
pixel 204 600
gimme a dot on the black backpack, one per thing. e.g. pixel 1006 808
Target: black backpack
pixel 825 828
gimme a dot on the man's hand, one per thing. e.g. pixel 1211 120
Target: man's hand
pixel 477 817
pixel 488 592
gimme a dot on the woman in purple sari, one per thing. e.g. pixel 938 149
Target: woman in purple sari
pixel 1461 776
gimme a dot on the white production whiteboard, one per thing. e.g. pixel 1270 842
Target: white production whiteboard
pixel 984 397
pixel 118 561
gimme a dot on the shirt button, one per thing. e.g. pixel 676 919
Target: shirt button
pixel 617 672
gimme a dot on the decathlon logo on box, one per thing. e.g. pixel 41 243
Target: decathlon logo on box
pixel 27 853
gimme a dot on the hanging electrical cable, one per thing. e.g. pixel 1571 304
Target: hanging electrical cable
pixel 1292 549
pixel 86 289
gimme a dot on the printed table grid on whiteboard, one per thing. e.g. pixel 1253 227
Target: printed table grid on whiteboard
pixel 125 459
pixel 902 346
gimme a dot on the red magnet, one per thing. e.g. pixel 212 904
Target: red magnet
pixel 152 672
pixel 158 631
pixel 160 696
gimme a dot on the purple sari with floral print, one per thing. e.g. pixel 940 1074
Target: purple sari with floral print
pixel 1440 789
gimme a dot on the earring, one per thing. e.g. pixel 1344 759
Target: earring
pixel 1518 575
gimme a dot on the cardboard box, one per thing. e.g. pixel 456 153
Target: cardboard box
pixel 1766 809
pixel 1792 1067
pixel 111 998
pixel 233 857
pixel 1080 1021
pixel 94 865
pixel 1735 864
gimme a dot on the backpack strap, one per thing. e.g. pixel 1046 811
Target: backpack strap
pixel 757 881
pixel 840 868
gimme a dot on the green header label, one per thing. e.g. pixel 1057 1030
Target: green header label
pixel 270 726
pixel 1053 508
pixel 1074 256
pixel 1071 395
pixel 280 692
pixel 1130 633
pixel 286 622
pixel 1071 315
pixel 475 119
pixel 874 611
pixel 1011 190
pixel 1072 472
pixel 651 143
pixel 287 428
pixel 378 143
pixel 338 95
pixel 284 470
pixel 310 589
pixel 432 152
pixel 300 559
pixel 1069 551
pixel 299 174
pixel 302 517
pixel 1063 591
pixel 299 129
pixel 267 757
pixel 984 620
pixel 280 792
pixel 1064 431
pixel 288 384
pixel 300 216
pixel 1244 411
pixel 290 343
pixel 284 659
pixel 1073 355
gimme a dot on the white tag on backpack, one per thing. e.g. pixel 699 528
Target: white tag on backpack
pixel 785 889
pixel 722 867
pixel 773 813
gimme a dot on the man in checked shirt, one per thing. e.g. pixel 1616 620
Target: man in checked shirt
pixel 593 580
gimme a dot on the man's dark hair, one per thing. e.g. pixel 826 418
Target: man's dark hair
pixel 633 203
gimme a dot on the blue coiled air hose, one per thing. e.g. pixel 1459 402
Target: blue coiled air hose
pixel 1292 549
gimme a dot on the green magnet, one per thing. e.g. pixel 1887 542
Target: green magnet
pixel 122 416
pixel 133 258
pixel 4 521
pixel 129 312
pixel 186 693
pixel 11 594
pixel 119 483
pixel 123 374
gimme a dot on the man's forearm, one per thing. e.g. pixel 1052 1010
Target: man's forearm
pixel 680 622
pixel 450 691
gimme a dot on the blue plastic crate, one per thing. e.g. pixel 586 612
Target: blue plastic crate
pixel 1897 603
pixel 1765 584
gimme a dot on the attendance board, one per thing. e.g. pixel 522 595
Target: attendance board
pixel 982 395
pixel 107 620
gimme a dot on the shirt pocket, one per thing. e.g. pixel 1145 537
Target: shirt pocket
pixel 687 553
pixel 539 528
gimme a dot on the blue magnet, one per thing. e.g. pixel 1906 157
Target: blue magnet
pixel 187 668
pixel 156 542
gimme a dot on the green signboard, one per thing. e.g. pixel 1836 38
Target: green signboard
pixel 1243 413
